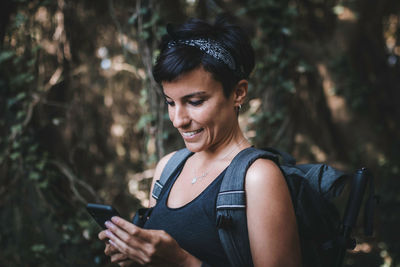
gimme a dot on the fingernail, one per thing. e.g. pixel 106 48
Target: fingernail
pixel 108 233
pixel 115 219
pixel 108 224
pixel 112 243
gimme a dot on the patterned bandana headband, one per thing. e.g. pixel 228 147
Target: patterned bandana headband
pixel 210 47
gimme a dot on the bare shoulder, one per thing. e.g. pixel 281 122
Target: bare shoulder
pixel 265 183
pixel 264 172
pixel 270 216
pixel 157 173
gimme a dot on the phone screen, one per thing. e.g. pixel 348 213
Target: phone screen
pixel 101 213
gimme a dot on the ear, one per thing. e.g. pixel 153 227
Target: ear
pixel 240 92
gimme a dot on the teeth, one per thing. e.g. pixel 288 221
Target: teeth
pixel 188 134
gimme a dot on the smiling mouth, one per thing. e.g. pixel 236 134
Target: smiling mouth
pixel 189 134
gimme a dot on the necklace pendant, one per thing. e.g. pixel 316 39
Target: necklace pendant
pixel 194 180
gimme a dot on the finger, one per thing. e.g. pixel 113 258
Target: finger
pixel 132 238
pixel 102 235
pixel 110 250
pixel 107 250
pixel 118 257
pixel 118 231
pixel 132 229
pixel 112 247
pixel 133 253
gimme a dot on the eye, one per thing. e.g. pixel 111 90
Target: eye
pixel 169 103
pixel 196 102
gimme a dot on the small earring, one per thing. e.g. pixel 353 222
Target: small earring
pixel 239 107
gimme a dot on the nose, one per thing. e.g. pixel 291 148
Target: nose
pixel 179 116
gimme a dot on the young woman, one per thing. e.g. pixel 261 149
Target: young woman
pixel 204 71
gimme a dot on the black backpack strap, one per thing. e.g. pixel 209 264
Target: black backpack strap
pixel 231 206
pixel 172 165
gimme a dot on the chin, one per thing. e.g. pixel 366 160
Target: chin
pixel 194 147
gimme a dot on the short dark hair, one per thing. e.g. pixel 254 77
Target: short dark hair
pixel 174 61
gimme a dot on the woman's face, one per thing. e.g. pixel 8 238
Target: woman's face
pixel 199 110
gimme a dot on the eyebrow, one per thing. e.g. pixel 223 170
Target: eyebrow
pixel 189 95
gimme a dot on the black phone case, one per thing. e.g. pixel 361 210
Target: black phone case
pixel 101 213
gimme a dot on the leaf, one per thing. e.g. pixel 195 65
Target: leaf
pixel 34 175
pixel 5 55
pixel 16 99
pixel 16 145
pixel 289 86
pixel 36 48
pixel 43 184
pixel 21 114
pixel 286 31
pixel 38 248
pixel 30 158
pixel 33 148
pixel 40 165
pixel 144 35
pixel 152 22
pixel 241 12
pixel 21 96
pixel 165 135
pixel 143 10
pixel 15 155
pixel 19 20
pixel 21 79
pixel 132 19
pixel 144 121
pixel 31 62
pixel 161 31
pixel 16 128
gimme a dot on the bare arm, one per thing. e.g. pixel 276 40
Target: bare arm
pixel 132 244
pixel 272 227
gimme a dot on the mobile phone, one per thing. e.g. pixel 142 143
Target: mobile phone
pixel 101 213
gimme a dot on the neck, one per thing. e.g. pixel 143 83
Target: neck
pixel 226 149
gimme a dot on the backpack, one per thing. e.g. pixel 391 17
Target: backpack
pixel 323 239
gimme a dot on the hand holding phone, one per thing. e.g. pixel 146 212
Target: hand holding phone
pixel 101 213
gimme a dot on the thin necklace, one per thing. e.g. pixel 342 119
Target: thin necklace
pixel 204 174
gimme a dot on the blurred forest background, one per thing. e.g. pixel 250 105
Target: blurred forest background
pixel 83 121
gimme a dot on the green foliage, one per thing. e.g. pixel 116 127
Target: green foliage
pixel 350 84
pixel 276 63
pixel 57 145
pixel 44 225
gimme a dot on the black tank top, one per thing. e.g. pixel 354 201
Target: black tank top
pixel 193 225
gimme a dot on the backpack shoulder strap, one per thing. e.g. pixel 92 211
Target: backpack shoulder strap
pixel 232 194
pixel 231 207
pixel 172 165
